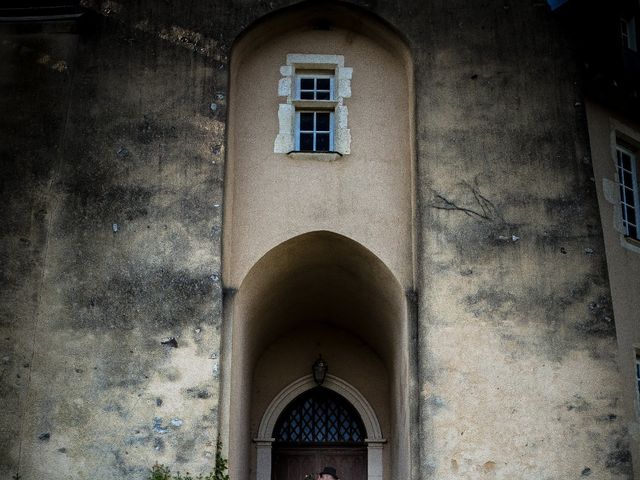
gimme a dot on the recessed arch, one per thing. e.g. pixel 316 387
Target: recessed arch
pixel 303 293
pixel 318 256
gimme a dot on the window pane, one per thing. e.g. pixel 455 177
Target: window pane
pixel 631 212
pixel 628 179
pixel 628 195
pixel 323 84
pixel 322 121
pixel 306 142
pixel 306 121
pixel 322 142
pixel 306 95
pixel 323 96
pixel 306 84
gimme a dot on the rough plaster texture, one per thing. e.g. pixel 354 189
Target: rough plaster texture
pixel 110 175
pixel 518 366
pixel 124 123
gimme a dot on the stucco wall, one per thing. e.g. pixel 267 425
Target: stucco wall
pixel 623 257
pixel 517 356
pixel 365 195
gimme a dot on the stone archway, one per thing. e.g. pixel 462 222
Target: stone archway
pixel 319 293
pixel 374 440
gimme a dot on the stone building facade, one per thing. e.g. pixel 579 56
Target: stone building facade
pixel 176 254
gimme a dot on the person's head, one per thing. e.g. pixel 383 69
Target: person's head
pixel 329 473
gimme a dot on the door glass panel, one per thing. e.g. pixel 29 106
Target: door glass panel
pixel 319 416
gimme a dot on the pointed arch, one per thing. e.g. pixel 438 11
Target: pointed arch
pixel 336 384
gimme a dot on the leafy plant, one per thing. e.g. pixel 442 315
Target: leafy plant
pixel 161 472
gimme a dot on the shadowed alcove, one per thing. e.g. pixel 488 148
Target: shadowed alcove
pixel 319 293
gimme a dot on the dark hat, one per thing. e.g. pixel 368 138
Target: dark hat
pixel 330 471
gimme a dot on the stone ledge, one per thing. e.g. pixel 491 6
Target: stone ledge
pixel 317 156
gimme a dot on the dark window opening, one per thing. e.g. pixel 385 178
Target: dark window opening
pixel 319 416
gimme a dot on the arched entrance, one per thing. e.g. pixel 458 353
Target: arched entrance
pixel 306 427
pixel 318 293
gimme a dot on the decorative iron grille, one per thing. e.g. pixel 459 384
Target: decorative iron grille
pixel 319 416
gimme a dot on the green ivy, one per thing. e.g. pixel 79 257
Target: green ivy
pixel 160 472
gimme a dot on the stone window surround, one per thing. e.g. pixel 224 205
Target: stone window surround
pixel 637 372
pixel 610 187
pixel 264 440
pixel 334 64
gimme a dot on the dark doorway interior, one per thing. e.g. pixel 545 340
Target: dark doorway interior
pixel 297 463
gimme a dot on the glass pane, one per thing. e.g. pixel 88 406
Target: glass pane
pixel 306 121
pixel 628 179
pixel 323 96
pixel 323 121
pixel 322 142
pixel 306 142
pixel 306 95
pixel 633 232
pixel 323 84
pixel 628 221
pixel 628 195
pixel 306 84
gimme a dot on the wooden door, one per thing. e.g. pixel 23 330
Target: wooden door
pixel 296 462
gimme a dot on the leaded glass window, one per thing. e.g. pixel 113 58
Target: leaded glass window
pixel 319 416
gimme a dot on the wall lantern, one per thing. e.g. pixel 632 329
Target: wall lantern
pixel 319 369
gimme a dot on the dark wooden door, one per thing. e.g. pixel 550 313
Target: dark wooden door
pixel 296 462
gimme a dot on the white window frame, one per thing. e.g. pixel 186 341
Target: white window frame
pixel 637 382
pixel 628 33
pixel 306 76
pixel 298 131
pixel 298 67
pixel 629 194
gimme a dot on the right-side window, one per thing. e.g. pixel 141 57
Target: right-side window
pixel 638 381
pixel 627 169
pixel 628 33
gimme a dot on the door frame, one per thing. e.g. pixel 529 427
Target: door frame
pixel 374 439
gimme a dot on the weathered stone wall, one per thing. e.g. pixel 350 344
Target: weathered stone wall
pixel 518 367
pixel 111 178
pixel 112 164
